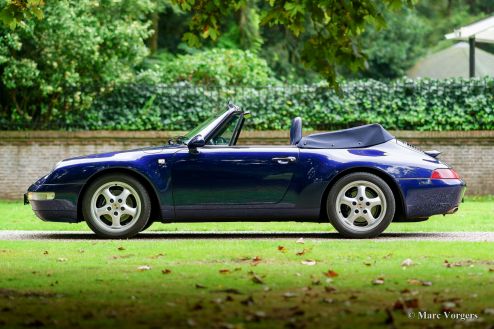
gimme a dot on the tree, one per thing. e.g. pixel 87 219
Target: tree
pixel 394 49
pixel 15 12
pixel 330 41
pixel 52 66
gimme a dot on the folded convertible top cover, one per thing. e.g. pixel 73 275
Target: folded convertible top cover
pixel 362 136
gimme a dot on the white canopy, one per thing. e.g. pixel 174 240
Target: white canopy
pixel 482 31
pixel 452 62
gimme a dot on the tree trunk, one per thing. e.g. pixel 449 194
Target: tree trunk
pixel 153 39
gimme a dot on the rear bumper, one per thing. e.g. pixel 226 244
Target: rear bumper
pixel 426 197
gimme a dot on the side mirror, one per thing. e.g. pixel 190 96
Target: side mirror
pixel 195 142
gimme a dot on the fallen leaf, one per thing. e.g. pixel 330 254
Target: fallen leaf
pixel 200 286
pixel 257 279
pixel 398 305
pixel 290 294
pixel 45 252
pixel 166 271
pixel 123 256
pixel 248 301
pixel 226 325
pixel 378 281
pixel 157 256
pixel 301 253
pixel 454 264
pixel 197 306
pixel 367 263
pixel 448 306
pixel 301 241
pixel 416 282
pixel 412 303
pixel 61 259
pixel 282 249
pixel 328 300
pixel 121 248
pixel 330 289
pixel 330 274
pixel 308 262
pixel 407 262
pixel 316 282
pixel 404 304
pixel 488 311
pixel 255 316
pixel 224 271
pixel 144 268
pixel 256 260
pixel 228 291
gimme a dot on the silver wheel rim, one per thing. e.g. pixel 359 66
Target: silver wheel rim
pixel 361 206
pixel 115 207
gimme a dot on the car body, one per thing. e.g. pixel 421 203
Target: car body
pixel 206 176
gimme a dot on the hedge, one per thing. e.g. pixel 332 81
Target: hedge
pixel 453 104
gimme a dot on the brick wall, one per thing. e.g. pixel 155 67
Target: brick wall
pixel 27 155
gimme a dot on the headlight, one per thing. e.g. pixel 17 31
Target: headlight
pixel 40 196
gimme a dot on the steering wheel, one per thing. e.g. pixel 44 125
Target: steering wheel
pixel 220 141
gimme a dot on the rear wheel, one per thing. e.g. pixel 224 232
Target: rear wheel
pixel 360 205
pixel 116 206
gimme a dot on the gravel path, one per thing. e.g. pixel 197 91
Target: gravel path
pixel 160 236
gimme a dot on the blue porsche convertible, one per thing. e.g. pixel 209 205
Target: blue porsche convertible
pixel 358 179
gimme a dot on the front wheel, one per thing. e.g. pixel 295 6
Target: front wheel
pixel 360 205
pixel 116 206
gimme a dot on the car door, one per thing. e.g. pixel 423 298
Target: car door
pixel 232 176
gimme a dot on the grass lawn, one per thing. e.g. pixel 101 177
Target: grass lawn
pixel 247 283
pixel 242 284
pixel 476 214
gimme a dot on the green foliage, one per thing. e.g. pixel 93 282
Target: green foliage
pixel 216 67
pixel 329 41
pixel 58 64
pixel 405 105
pixel 15 12
pixel 394 49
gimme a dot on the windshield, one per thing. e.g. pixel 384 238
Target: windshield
pixel 184 139
pixel 200 127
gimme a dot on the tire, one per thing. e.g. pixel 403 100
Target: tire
pixel 148 224
pixel 360 205
pixel 110 215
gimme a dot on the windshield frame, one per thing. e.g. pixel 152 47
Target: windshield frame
pixel 210 125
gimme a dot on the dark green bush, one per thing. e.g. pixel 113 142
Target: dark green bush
pixel 454 104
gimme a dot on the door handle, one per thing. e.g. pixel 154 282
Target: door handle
pixel 284 160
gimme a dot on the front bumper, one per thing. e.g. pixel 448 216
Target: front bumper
pixel 425 197
pixel 61 208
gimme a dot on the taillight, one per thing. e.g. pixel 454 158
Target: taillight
pixel 445 174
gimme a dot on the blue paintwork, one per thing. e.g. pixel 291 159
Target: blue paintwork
pixel 244 183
